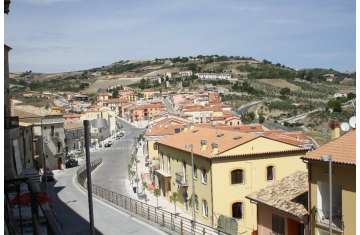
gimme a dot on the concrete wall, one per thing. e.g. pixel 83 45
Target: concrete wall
pixel 345 177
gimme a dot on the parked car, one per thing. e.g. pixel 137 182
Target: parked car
pixel 108 144
pixel 71 163
pixel 48 175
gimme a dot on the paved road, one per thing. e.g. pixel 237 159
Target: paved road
pixel 113 173
pixel 71 209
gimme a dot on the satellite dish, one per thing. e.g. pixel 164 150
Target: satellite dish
pixel 345 126
pixel 352 121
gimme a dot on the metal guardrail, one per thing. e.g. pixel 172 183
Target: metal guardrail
pixel 171 221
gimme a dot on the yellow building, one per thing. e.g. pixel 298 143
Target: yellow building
pixel 228 165
pixel 343 154
pixel 150 93
pixel 160 128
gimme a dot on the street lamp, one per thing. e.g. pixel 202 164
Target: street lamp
pixel 190 146
pixel 327 158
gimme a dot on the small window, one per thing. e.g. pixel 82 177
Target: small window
pixel 155 146
pixel 195 172
pixel 237 210
pixel 177 130
pixel 237 176
pixel 203 176
pixel 196 199
pixel 58 147
pixel 278 225
pixel 52 130
pixel 270 173
pixel 205 208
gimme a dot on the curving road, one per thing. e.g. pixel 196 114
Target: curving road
pixel 70 202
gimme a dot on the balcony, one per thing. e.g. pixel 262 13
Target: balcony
pixel 322 219
pixel 181 179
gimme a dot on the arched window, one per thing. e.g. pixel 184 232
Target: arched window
pixel 237 210
pixel 270 172
pixel 237 176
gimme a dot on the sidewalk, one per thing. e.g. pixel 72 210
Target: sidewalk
pixel 151 199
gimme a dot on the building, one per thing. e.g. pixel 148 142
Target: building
pixel 146 111
pixel 74 136
pixel 101 97
pixel 150 94
pixel 186 73
pixel 343 154
pixel 282 207
pixel 229 165
pixel 48 134
pixel 214 76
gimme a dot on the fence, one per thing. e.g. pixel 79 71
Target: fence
pixel 165 219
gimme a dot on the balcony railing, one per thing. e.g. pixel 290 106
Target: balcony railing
pixel 322 219
pixel 181 179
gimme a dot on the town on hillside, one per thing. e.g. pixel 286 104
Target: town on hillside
pixel 207 144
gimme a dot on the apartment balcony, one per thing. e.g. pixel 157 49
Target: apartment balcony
pixel 322 219
pixel 181 179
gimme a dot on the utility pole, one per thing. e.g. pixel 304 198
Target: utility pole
pixel 88 174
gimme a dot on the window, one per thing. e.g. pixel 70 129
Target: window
pixel 177 130
pixel 270 173
pixel 205 208
pixel 155 146
pixel 203 176
pixel 195 172
pixel 237 176
pixel 196 199
pixel 237 210
pixel 184 171
pixel 168 165
pixel 52 130
pixel 278 225
pixel 162 162
pixel 58 147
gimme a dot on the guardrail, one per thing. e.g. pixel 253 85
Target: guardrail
pixel 170 221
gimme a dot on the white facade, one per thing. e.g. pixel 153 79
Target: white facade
pixel 214 76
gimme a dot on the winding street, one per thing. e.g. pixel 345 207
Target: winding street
pixel 70 201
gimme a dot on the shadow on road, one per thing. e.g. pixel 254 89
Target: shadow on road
pixel 70 221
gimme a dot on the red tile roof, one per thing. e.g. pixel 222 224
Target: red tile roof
pixel 342 149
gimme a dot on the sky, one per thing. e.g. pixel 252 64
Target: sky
pixel 68 35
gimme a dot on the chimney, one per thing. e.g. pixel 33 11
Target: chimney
pixel 334 125
pixel 215 148
pixel 203 145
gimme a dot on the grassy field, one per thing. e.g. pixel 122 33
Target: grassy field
pixel 106 83
pixel 280 83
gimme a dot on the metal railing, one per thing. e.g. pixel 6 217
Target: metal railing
pixel 170 221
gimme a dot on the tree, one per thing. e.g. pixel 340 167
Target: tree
pixel 285 91
pixel 334 105
pixel 115 93
pixel 157 194
pixel 351 96
pixel 144 185
pixel 173 199
pixel 261 118
pixel 248 117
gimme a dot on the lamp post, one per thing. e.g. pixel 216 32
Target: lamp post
pixel 327 158
pixel 190 146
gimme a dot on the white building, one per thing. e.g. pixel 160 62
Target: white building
pixel 214 76
pixel 187 73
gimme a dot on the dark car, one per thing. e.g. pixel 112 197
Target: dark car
pixel 71 163
pixel 48 176
pixel 108 144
